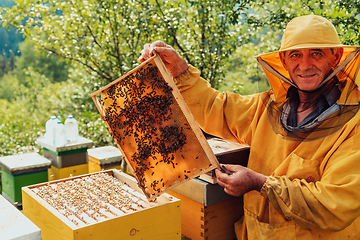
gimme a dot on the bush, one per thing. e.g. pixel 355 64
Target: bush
pixel 23 119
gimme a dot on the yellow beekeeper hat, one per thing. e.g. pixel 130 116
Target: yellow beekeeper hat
pixel 310 31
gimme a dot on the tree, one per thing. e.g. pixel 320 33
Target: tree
pixel 9 40
pixel 344 14
pixel 49 65
pixel 3 65
pixel 106 36
pixel 7 65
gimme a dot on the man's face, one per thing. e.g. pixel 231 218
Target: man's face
pixel 309 67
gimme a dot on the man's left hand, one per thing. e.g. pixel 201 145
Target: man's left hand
pixel 241 181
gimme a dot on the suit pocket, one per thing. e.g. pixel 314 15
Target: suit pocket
pixel 303 169
pixel 268 231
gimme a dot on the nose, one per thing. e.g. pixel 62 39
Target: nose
pixel 305 63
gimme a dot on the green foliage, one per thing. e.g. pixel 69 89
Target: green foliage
pixel 13 70
pixel 204 32
pixel 107 36
pixel 23 119
pixel 245 76
pixel 46 64
pixel 18 132
pixel 8 85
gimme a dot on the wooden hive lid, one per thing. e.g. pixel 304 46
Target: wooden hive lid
pixel 221 146
pixel 80 143
pixel 106 154
pixel 24 163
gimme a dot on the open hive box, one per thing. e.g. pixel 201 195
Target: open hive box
pixel 154 129
pixel 102 205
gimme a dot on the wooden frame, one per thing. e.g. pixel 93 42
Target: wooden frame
pixel 146 104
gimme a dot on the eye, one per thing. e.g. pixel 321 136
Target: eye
pixel 294 56
pixel 317 55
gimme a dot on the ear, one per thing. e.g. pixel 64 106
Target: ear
pixel 338 55
pixel 282 58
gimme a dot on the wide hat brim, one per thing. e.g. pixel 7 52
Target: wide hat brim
pixel 307 46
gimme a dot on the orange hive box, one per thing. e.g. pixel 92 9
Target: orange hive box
pixel 154 129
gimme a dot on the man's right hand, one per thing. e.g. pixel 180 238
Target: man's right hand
pixel 172 60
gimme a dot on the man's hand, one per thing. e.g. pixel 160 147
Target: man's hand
pixel 172 60
pixel 241 181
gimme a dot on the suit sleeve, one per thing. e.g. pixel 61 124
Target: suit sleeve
pixel 229 116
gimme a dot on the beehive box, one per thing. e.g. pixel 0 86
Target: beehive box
pixel 154 129
pixel 102 205
pixel 209 222
pixel 72 154
pixel 55 173
pixel 68 158
pixel 22 170
pixel 207 212
pixel 104 158
pixel 14 225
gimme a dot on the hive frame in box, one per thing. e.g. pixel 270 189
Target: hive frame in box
pixel 146 104
pixel 159 221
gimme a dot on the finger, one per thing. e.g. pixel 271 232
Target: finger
pixel 221 183
pixel 142 58
pixel 147 50
pixel 222 178
pixel 218 173
pixel 228 191
pixel 158 44
pixel 162 50
pixel 155 45
pixel 233 167
pixel 145 53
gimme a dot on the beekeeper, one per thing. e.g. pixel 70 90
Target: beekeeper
pixel 303 175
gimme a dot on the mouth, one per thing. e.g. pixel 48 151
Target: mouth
pixel 307 75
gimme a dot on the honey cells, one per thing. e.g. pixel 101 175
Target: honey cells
pixel 91 199
pixel 143 114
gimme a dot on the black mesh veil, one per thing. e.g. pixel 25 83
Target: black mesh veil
pixel 342 83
